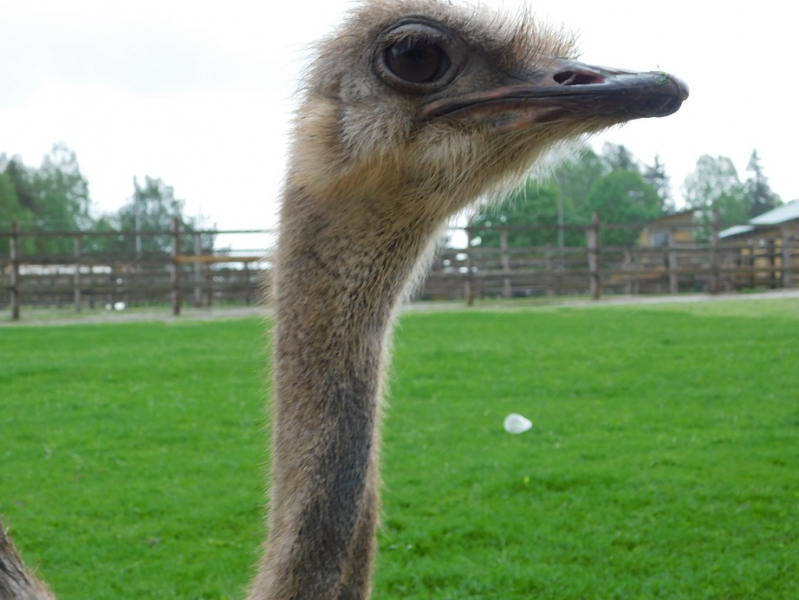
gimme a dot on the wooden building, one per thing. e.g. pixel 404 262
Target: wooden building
pixel 671 230
pixel 767 246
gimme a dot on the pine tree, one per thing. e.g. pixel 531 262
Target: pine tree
pixel 657 177
pixel 762 197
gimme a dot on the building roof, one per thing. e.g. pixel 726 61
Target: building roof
pixel 781 214
pixel 735 230
pixel 685 215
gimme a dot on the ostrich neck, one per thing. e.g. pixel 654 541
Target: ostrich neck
pixel 338 281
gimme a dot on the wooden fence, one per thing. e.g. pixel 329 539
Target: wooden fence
pixel 595 269
pixel 202 277
pixel 88 279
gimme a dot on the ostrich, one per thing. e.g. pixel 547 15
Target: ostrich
pixel 411 111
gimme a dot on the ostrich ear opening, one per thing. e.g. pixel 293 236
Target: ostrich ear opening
pixel 569 91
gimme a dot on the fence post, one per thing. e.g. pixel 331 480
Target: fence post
pixel 786 256
pixel 674 286
pixel 626 267
pixel 772 264
pixel 198 290
pixel 78 251
pixel 506 283
pixel 593 239
pixel 553 280
pixel 715 284
pixel 248 283
pixel 175 275
pixel 636 258
pixel 469 268
pixel 14 287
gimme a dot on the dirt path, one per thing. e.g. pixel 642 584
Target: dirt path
pixel 66 317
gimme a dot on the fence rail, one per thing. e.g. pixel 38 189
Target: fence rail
pixel 202 276
pixel 170 274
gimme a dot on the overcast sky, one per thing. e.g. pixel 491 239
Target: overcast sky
pixel 200 93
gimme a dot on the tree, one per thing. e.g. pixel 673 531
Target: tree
pixel 576 177
pixel 534 203
pixel 657 177
pixel 156 205
pixel 10 208
pixel 715 185
pixel 54 197
pixel 61 191
pixel 610 184
pixel 98 244
pixel 617 157
pixel 623 196
pixel 761 197
pixel 22 180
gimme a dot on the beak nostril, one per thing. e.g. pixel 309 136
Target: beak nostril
pixel 577 78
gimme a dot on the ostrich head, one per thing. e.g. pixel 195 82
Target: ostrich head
pixel 428 105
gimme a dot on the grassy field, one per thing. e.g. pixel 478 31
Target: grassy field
pixel 663 461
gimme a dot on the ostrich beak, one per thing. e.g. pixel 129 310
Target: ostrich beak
pixel 568 91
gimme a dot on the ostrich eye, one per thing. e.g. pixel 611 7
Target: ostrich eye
pixel 417 61
pixel 417 56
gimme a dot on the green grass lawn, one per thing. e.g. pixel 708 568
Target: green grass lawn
pixel 663 461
